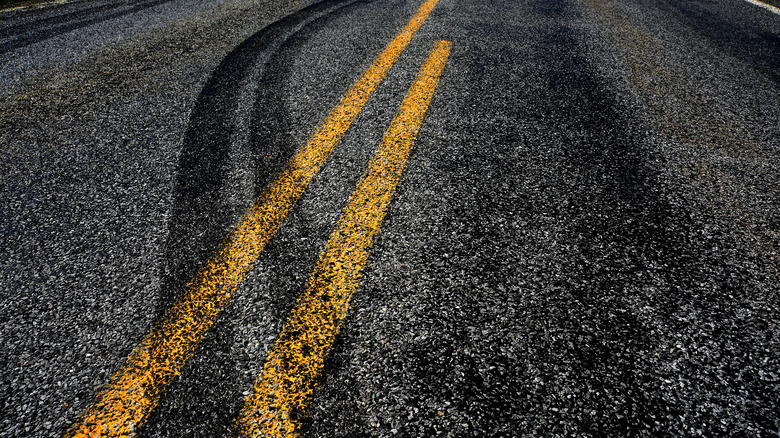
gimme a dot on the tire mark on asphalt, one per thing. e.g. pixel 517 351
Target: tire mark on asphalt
pixel 198 219
pixel 646 273
pixel 619 227
pixel 683 108
pixel 199 215
pixel 757 47
pixel 600 190
pixel 40 35
pixel 677 100
pixel 596 196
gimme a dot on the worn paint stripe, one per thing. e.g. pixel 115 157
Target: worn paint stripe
pixel 282 392
pixel 125 403
pixel 768 7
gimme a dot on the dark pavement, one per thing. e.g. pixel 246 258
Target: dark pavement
pixel 584 241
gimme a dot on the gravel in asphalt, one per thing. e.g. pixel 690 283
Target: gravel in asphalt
pixel 584 241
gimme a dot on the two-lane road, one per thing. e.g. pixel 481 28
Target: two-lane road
pixel 411 218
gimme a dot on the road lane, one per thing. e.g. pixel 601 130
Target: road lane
pixel 584 242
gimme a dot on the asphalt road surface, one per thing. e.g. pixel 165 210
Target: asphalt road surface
pixel 579 238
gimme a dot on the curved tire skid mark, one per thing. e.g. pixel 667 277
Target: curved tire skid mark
pixel 199 219
pixel 749 42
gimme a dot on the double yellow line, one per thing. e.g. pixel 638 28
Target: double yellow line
pixel 297 358
pixel 293 365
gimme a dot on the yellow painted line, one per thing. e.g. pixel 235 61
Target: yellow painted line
pixel 283 390
pixel 125 403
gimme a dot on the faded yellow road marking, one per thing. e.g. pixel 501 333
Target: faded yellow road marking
pixel 285 386
pixel 125 403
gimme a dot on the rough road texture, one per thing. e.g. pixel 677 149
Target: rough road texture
pixel 584 242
